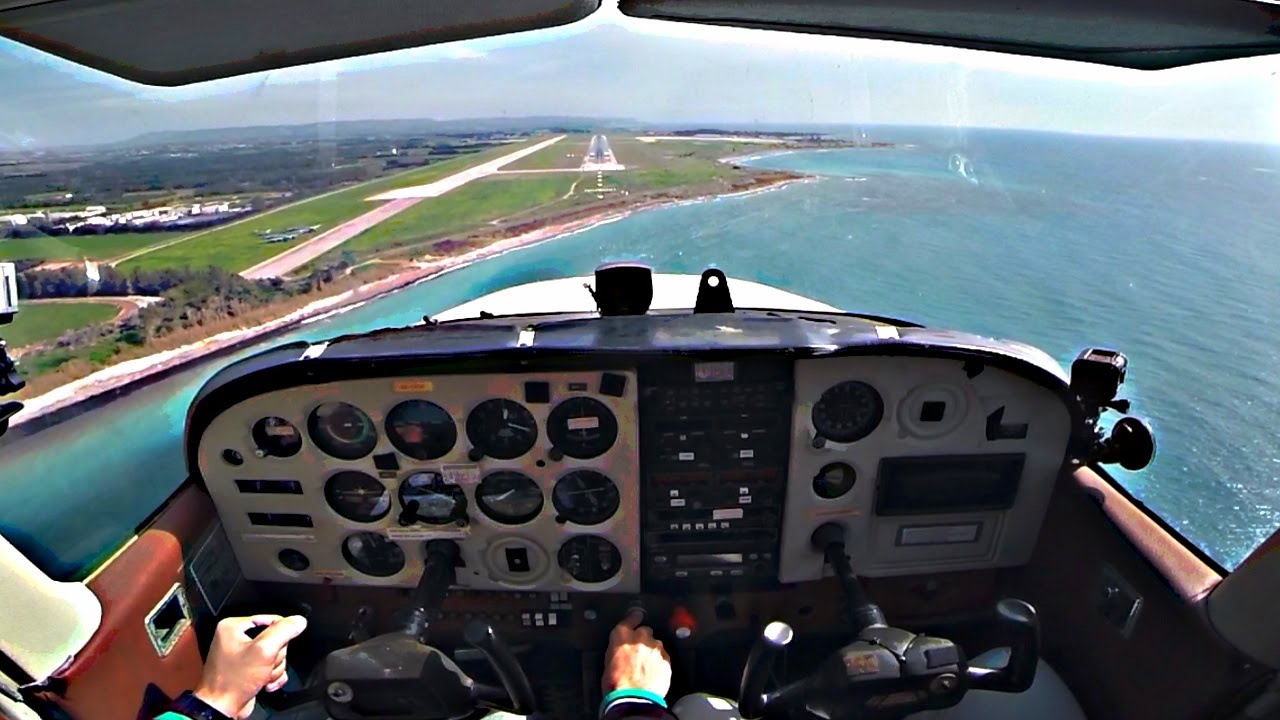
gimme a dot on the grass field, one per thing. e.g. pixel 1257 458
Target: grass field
pixel 36 322
pixel 77 247
pixel 237 247
pixel 565 154
pixel 470 206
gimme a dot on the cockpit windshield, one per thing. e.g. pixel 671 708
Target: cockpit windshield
pixel 159 233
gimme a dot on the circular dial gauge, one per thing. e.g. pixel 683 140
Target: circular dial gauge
pixel 356 496
pixel 373 554
pixel 590 558
pixel 420 429
pixel 848 411
pixel 502 429
pixel 585 497
pixel 293 560
pixel 427 497
pixel 834 480
pixel 582 427
pixel 509 497
pixel 342 430
pixel 276 437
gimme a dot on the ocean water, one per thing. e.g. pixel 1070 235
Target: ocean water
pixel 1165 250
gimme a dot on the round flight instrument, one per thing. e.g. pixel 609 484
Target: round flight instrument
pixel 373 554
pixel 590 558
pixel 276 437
pixel 502 429
pixel 848 411
pixel 293 560
pixel 427 497
pixel 834 480
pixel 357 497
pixel 585 497
pixel 509 497
pixel 342 430
pixel 420 429
pixel 582 427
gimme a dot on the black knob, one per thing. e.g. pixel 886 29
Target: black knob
pixel 475 455
pixel 555 454
pixel 826 535
pixel 409 514
pixel 755 674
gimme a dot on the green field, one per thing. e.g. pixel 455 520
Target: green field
pixel 78 247
pixel 237 247
pixel 469 207
pixel 36 322
pixel 565 154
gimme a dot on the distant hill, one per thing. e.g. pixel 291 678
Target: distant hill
pixel 366 128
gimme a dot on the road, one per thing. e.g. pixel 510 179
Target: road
pixel 444 185
pixel 126 305
pixel 397 201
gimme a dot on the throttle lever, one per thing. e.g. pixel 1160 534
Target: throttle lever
pixel 1018 670
pixel 481 636
pixel 755 674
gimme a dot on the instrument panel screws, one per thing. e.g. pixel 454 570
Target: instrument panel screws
pixel 943 684
pixel 339 692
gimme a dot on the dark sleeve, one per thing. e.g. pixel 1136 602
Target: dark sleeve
pixel 637 708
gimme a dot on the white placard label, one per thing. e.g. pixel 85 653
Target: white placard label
pixel 746 454
pixel 584 423
pixel 420 533
pixel 726 514
pixel 461 474
pixel 939 534
pixel 277 537
pixel 685 456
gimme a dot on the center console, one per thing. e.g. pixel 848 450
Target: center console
pixel 713 471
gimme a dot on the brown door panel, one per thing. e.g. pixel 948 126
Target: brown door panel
pixel 1170 665
pixel 109 678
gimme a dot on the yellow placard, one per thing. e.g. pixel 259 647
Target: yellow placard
pixel 412 386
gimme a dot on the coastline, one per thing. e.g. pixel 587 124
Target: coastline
pixel 122 378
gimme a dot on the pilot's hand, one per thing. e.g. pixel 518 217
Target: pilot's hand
pixel 239 667
pixel 635 660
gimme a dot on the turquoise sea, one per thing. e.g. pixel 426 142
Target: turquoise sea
pixel 1166 250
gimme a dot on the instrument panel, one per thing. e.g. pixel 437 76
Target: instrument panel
pixel 531 474
pixel 666 474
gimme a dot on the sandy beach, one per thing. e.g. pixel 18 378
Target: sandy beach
pixel 112 378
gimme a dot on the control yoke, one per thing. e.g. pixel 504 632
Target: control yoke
pixel 887 672
pixel 397 675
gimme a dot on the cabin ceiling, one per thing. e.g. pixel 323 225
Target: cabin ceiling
pixel 176 42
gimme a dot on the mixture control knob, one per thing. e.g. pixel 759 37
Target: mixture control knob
pixel 682 623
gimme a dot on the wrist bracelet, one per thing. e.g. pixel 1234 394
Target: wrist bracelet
pixel 632 694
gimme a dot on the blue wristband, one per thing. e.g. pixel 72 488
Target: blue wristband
pixel 632 693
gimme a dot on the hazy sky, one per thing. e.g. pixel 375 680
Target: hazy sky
pixel 612 66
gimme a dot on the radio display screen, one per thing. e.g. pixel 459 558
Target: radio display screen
pixel 948 484
pixel 709 560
